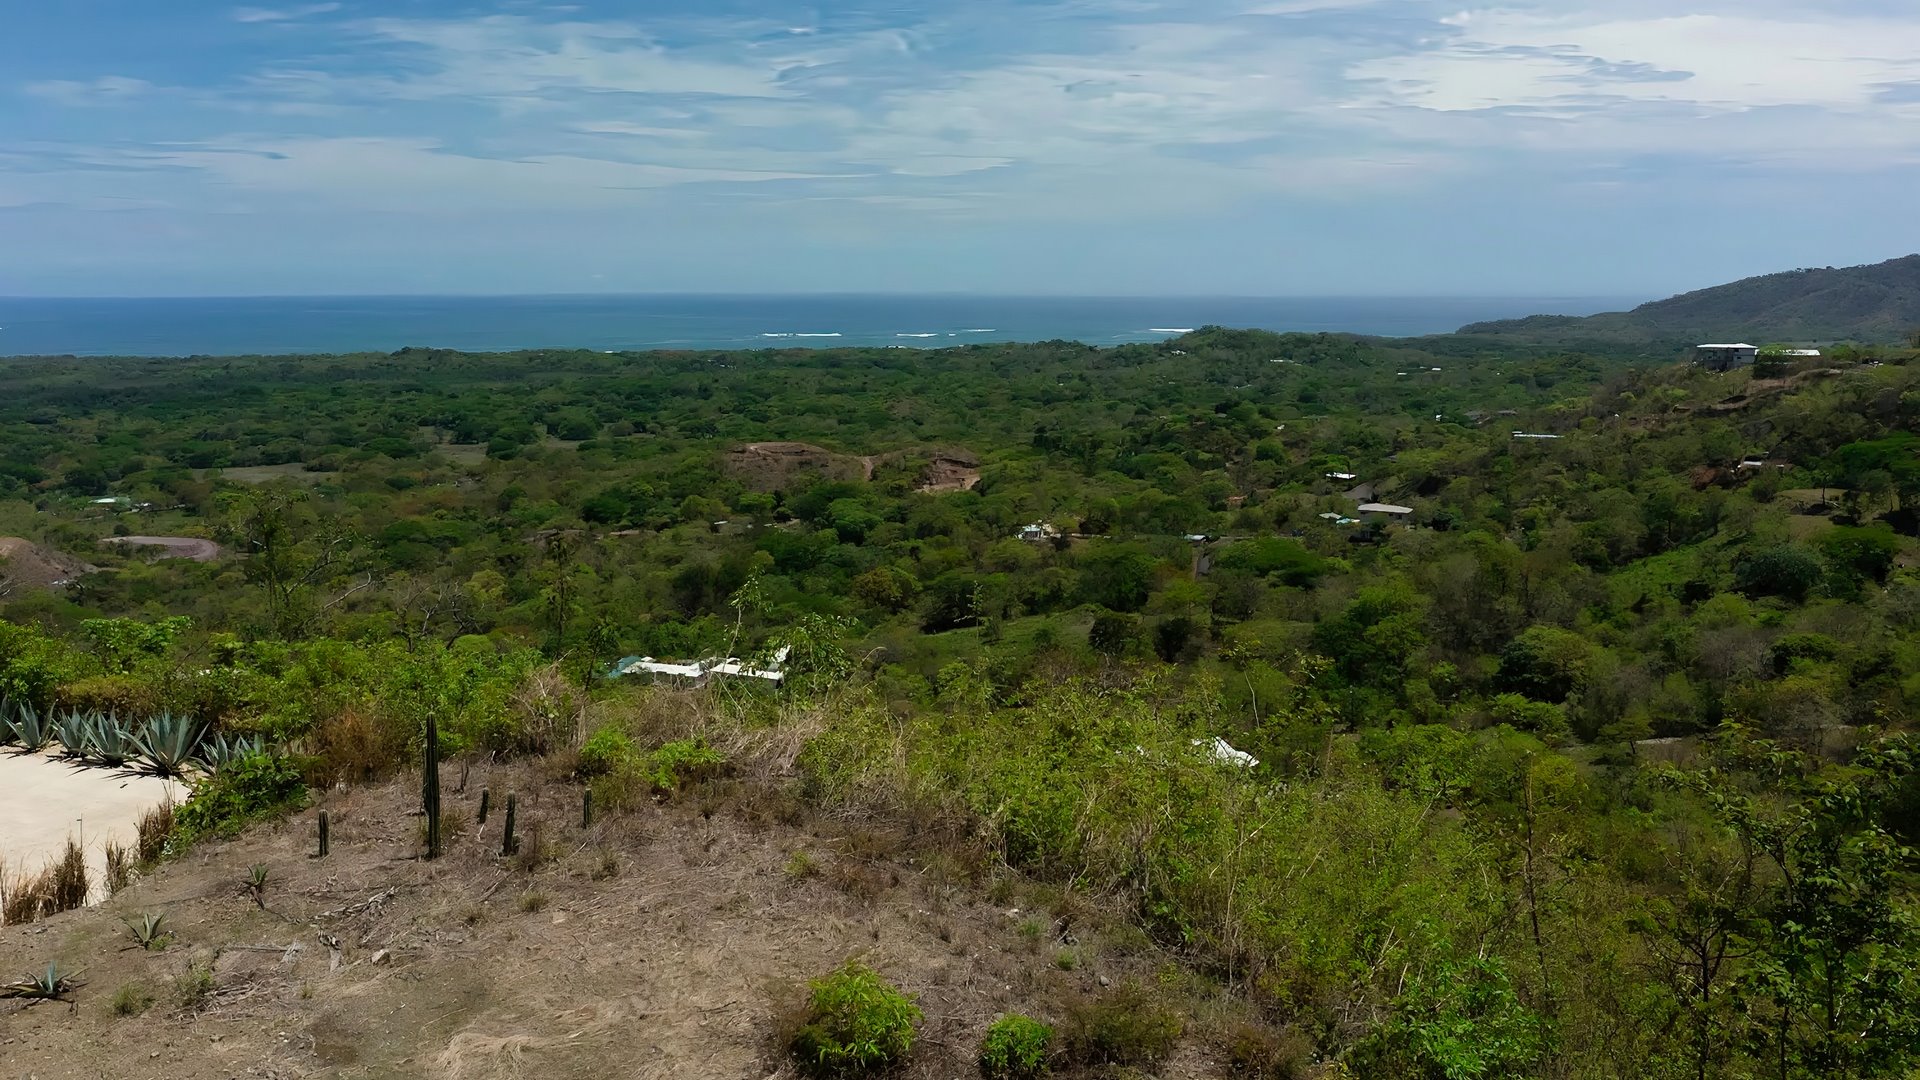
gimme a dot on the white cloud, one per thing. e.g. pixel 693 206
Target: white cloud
pixel 268 15
pixel 1505 59
pixel 408 175
pixel 1152 108
pixel 507 56
pixel 106 90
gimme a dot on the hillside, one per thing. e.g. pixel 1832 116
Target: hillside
pixel 1878 303
pixel 1015 717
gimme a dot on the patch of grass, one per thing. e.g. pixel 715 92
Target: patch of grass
pixel 802 865
pixel 193 987
pixel 1015 1048
pixel 1066 959
pixel 1127 1026
pixel 1266 1054
pixel 533 851
pixel 533 901
pixel 856 1024
pixel 120 862
pixel 608 867
pixel 155 826
pixel 452 821
pixel 131 999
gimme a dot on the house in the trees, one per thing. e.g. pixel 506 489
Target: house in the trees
pixel 1725 357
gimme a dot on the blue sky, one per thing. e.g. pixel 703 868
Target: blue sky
pixel 1251 147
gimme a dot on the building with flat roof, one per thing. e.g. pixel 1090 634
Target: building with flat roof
pixel 1725 357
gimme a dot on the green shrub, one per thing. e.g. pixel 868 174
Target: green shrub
pixel 607 751
pixel 251 787
pixel 856 1024
pixel 683 761
pixel 1015 1049
pixel 1125 1027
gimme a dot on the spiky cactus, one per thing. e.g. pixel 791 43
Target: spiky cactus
pixel 218 751
pixel 31 730
pixel 430 787
pixel 109 742
pixel 168 743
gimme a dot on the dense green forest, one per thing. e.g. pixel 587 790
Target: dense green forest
pixel 1880 303
pixel 1586 754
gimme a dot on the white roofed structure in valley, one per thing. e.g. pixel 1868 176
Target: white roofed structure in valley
pixel 698 672
pixel 1723 357
pixel 1388 509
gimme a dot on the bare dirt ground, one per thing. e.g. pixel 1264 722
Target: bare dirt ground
pixel 950 472
pixel 44 801
pixel 664 942
pixel 32 565
pixel 772 466
pixel 263 474
pixel 173 547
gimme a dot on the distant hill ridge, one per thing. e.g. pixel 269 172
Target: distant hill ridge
pixel 1877 303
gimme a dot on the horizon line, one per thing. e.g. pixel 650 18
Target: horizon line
pixel 842 294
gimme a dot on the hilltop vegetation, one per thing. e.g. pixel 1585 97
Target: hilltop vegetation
pixel 1877 303
pixel 1465 851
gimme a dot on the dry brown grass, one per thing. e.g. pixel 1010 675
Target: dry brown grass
pixel 62 886
pixel 355 747
pixel 120 863
pixel 155 826
pixel 551 711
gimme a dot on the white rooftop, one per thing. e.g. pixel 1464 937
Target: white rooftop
pixel 1384 508
pixel 1728 346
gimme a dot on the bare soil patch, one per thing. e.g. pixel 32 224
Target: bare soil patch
pixel 472 455
pixel 772 466
pixel 950 472
pixel 261 474
pixel 31 565
pixel 170 547
pixel 667 942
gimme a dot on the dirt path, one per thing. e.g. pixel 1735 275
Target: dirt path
pixel 177 547
pixel 656 944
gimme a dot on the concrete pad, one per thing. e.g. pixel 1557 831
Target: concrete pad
pixel 44 801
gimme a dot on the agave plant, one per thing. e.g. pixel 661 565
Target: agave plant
pixel 110 742
pixel 31 731
pixel 168 742
pixel 70 731
pixel 51 985
pixel 220 750
pixel 149 931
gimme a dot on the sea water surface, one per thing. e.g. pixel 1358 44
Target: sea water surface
pixel 336 324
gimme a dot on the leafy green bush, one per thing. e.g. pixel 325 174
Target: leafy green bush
pixel 683 761
pixel 1275 556
pixel 857 1024
pixel 1015 1048
pixel 252 787
pixel 1783 571
pixel 606 751
pixel 1462 1022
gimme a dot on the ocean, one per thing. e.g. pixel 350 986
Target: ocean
pixel 337 324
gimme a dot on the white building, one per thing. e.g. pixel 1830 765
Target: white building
pixel 1725 357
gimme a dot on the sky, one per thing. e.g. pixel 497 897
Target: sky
pixel 1073 147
